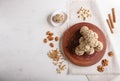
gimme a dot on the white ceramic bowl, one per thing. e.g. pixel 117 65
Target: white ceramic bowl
pixel 58 12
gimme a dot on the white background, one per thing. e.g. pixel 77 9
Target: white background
pixel 23 55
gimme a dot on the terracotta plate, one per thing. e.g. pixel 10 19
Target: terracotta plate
pixel 70 41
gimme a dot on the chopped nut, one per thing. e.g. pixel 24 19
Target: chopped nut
pixel 100 68
pixel 56 38
pixel 81 8
pixel 55 63
pixel 61 62
pixel 58 71
pixel 51 44
pixel 110 53
pixel 78 12
pixel 84 18
pixel 63 67
pixel 45 40
pixel 105 62
pixel 48 32
pixel 88 15
pixel 59 65
pixel 84 13
pixel 55 55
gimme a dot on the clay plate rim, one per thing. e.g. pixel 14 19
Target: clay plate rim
pixel 84 60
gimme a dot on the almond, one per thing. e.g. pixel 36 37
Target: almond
pixel 45 40
pixel 51 45
pixel 56 38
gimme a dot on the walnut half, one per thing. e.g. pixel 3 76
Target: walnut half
pixel 105 62
pixel 100 68
pixel 110 53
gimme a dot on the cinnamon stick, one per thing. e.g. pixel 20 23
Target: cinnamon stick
pixel 111 21
pixel 109 24
pixel 113 15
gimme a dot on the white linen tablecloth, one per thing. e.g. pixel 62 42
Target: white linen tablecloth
pixel 113 69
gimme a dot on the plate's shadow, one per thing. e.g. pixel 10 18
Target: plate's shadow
pixel 74 42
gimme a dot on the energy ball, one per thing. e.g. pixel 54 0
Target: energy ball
pixel 84 30
pixel 99 47
pixel 78 51
pixel 88 43
pixel 58 18
pixel 90 51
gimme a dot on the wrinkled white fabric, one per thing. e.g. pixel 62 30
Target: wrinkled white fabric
pixel 113 69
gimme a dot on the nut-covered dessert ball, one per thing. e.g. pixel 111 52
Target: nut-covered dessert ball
pixel 88 43
pixel 58 18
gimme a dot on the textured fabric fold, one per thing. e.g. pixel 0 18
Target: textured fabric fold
pixel 113 69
